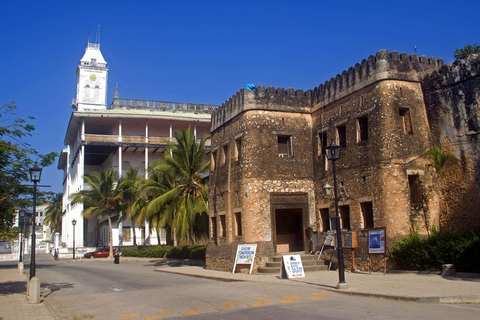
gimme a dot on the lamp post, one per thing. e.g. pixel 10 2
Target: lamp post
pixel 333 153
pixel 35 174
pixel 74 222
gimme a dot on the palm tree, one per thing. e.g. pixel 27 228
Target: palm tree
pixel 439 163
pixel 102 200
pixel 53 213
pixel 129 187
pixel 185 196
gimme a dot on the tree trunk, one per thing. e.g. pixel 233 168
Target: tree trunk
pixel 110 237
pixel 134 233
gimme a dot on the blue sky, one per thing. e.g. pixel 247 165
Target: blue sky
pixel 205 51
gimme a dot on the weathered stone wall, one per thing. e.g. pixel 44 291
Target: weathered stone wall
pixel 452 98
pixel 244 183
pixel 223 257
pixel 409 102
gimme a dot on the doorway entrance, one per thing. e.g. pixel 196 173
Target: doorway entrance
pixel 289 230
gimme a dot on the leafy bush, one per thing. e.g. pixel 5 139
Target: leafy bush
pixel 466 51
pixel 179 252
pixel 457 247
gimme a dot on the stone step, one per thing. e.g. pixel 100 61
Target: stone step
pixel 268 270
pixel 310 264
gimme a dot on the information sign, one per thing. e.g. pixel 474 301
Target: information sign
pixel 245 255
pixel 330 239
pixel 376 241
pixel 293 266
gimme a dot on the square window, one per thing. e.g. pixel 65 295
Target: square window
pixel 223 225
pixel 406 120
pixel 213 159
pixel 344 217
pixel 342 136
pixel 214 226
pixel 224 155
pixel 238 224
pixel 367 213
pixel 362 132
pixel 238 149
pixel 127 234
pixel 325 216
pixel 284 146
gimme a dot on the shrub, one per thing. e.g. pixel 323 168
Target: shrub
pixel 179 252
pixel 457 247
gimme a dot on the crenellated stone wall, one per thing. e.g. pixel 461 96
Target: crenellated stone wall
pixel 404 103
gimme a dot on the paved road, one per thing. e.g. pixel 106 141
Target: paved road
pixel 97 289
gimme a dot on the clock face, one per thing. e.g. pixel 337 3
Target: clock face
pixel 93 78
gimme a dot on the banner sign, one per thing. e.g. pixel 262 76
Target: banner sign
pixel 245 255
pixel 330 239
pixel 293 266
pixel 376 241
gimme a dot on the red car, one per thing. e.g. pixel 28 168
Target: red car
pixel 99 253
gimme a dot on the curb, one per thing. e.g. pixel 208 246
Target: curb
pixel 431 300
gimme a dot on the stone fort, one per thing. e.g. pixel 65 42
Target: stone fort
pixel 268 167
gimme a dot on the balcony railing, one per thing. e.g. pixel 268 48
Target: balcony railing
pixel 132 139
pixel 162 105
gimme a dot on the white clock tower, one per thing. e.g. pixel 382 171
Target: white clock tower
pixel 92 73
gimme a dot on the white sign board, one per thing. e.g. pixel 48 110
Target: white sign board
pixel 245 255
pixel 376 241
pixel 330 239
pixel 293 266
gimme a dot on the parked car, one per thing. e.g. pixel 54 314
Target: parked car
pixel 99 253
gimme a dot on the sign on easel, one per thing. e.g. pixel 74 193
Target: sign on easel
pixel 376 241
pixel 293 266
pixel 329 239
pixel 245 255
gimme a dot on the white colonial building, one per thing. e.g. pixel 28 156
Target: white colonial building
pixel 131 133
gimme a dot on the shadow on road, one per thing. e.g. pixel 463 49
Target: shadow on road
pixel 52 287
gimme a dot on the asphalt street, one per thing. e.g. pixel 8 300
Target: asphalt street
pixel 99 289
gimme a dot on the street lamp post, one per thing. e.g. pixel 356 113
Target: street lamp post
pixel 35 174
pixel 74 222
pixel 333 153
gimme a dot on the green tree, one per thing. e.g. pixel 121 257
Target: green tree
pixel 129 187
pixel 15 160
pixel 7 233
pixel 466 51
pixel 102 198
pixel 185 196
pixel 440 160
pixel 53 213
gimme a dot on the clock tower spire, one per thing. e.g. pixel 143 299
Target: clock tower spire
pixel 92 74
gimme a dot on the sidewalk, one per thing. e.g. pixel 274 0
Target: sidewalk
pixel 407 286
pixel 13 302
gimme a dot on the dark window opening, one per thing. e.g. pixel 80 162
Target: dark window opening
pixel 212 161
pixel 224 155
pixel 342 136
pixel 214 227
pixel 238 223
pixel 406 120
pixel 284 146
pixel 416 192
pixel 322 142
pixel 367 212
pixel 344 217
pixel 362 128
pixel 223 224
pixel 238 149
pixel 325 216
